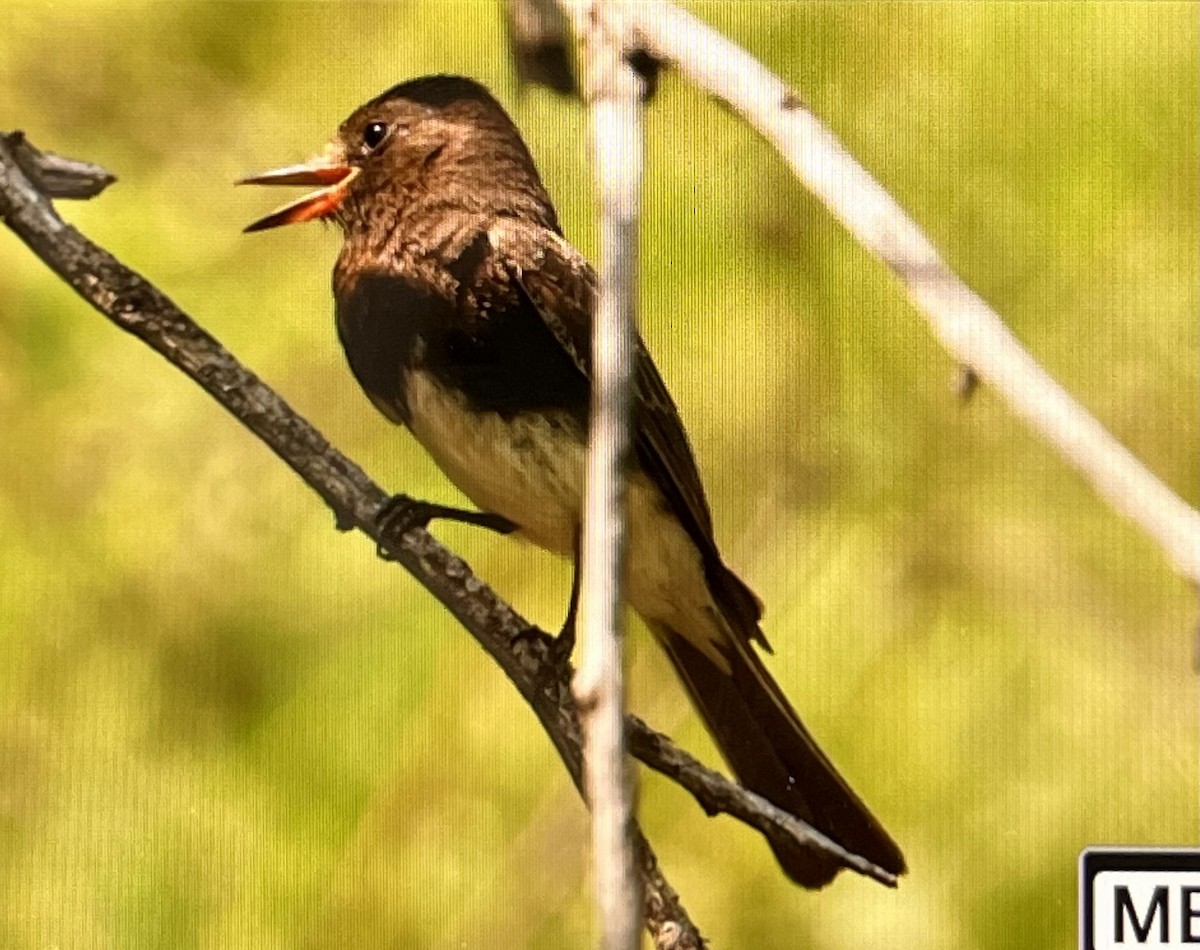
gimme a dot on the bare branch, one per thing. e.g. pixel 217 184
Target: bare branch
pixel 55 175
pixel 717 795
pixel 613 91
pixel 540 43
pixel 966 325
pixel 523 652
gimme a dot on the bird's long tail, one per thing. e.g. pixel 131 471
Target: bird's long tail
pixel 767 746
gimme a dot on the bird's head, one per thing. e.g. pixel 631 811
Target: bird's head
pixel 439 143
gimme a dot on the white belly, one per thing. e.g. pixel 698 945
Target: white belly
pixel 530 469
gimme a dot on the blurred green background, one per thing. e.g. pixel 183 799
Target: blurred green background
pixel 223 724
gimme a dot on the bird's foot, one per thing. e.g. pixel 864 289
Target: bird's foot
pixel 564 644
pixel 561 647
pixel 402 513
pixel 557 649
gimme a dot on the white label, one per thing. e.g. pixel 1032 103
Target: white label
pixel 1132 909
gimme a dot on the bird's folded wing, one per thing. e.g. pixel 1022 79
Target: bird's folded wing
pixel 560 285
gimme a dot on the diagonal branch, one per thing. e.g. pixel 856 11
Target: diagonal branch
pixel 962 320
pixel 719 796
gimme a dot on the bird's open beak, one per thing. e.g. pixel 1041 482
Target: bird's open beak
pixel 333 176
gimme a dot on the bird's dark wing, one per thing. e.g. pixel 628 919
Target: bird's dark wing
pixel 560 285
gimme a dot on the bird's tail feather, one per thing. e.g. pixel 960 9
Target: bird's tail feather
pixel 767 746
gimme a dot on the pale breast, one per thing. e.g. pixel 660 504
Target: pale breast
pixel 528 468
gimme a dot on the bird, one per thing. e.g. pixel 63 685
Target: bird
pixel 466 316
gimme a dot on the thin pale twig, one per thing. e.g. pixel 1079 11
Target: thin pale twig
pixel 970 329
pixel 613 92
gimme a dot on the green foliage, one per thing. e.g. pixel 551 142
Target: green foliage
pixel 222 724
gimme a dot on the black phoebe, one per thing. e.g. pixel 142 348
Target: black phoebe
pixel 466 316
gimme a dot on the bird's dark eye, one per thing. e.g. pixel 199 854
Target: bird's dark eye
pixel 374 133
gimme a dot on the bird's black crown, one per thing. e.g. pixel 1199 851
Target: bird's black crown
pixel 437 91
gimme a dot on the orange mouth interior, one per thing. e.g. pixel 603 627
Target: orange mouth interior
pixel 335 179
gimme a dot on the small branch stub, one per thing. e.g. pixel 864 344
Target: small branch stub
pixel 56 176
